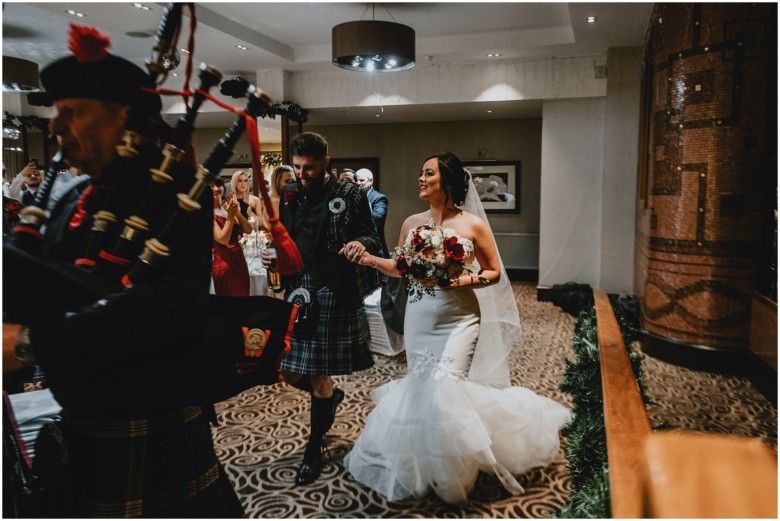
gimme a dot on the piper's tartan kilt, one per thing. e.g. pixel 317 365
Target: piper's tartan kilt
pixel 160 465
pixel 340 343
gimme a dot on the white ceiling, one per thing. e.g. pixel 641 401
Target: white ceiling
pixel 296 36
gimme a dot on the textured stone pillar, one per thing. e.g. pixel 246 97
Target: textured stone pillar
pixel 710 140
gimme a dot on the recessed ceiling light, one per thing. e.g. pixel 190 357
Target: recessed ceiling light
pixel 75 13
pixel 591 19
pixel 175 74
pixel 494 55
pixel 184 50
pixel 139 5
pixel 489 111
pixel 242 47
pixel 379 115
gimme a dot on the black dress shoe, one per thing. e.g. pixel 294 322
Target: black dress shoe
pixel 311 467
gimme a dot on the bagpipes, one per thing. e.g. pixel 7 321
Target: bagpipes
pixel 161 200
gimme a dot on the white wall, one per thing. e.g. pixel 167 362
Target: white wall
pixel 549 78
pixel 621 143
pixel 571 191
pixel 588 184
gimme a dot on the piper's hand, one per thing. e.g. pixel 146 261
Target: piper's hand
pixel 10 334
pixel 354 251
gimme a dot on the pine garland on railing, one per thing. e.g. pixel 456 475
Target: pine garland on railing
pixel 586 445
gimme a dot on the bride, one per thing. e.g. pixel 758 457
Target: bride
pixel 454 413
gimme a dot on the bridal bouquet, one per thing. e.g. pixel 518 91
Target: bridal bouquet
pixel 430 257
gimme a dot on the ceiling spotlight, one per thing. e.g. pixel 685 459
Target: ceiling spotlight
pixel 185 51
pixel 139 5
pixel 358 46
pixel 494 55
pixel 242 47
pixel 591 19
pixel 489 111
pixel 75 13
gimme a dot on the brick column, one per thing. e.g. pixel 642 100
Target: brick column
pixel 710 145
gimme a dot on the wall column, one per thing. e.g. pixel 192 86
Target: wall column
pixel 711 136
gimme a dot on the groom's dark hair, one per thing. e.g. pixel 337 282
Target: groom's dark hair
pixel 453 177
pixel 309 144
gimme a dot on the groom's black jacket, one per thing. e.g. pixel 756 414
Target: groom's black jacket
pixel 347 217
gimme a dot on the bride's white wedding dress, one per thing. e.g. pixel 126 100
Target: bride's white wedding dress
pixel 434 430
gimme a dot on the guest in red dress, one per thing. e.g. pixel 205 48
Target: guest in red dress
pixel 229 268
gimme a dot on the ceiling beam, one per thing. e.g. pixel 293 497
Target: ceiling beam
pixel 243 33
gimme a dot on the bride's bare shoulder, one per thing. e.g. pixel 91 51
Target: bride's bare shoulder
pixel 469 219
pixel 472 226
pixel 415 220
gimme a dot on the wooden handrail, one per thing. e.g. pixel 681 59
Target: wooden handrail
pixel 625 415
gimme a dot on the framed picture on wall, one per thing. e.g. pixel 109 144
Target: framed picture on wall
pixel 356 163
pixel 497 183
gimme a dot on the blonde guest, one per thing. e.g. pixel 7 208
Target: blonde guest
pixel 282 175
pixel 249 204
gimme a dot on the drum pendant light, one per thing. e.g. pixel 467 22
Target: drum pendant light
pixel 372 45
pixel 20 75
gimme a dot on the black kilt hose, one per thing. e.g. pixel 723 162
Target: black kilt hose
pixel 340 343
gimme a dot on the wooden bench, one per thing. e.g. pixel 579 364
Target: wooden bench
pixel 673 474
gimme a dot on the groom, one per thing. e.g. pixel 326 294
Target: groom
pixel 330 222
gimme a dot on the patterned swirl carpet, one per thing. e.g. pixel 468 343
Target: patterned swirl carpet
pixel 263 431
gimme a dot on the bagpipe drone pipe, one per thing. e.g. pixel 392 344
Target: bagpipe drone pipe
pixel 166 208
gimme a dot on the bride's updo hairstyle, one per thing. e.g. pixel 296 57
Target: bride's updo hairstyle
pixel 454 179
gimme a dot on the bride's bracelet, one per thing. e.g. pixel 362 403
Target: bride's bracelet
pixel 373 264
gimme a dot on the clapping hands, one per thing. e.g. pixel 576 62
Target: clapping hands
pixel 231 204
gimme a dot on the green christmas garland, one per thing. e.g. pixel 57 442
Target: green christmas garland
pixel 586 446
pixel 286 108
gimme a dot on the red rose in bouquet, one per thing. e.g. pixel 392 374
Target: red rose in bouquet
pixel 454 250
pixel 430 257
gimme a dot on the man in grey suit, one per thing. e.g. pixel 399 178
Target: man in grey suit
pixel 385 308
pixel 378 203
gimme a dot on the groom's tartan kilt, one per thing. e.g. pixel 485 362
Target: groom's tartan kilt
pixel 340 343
